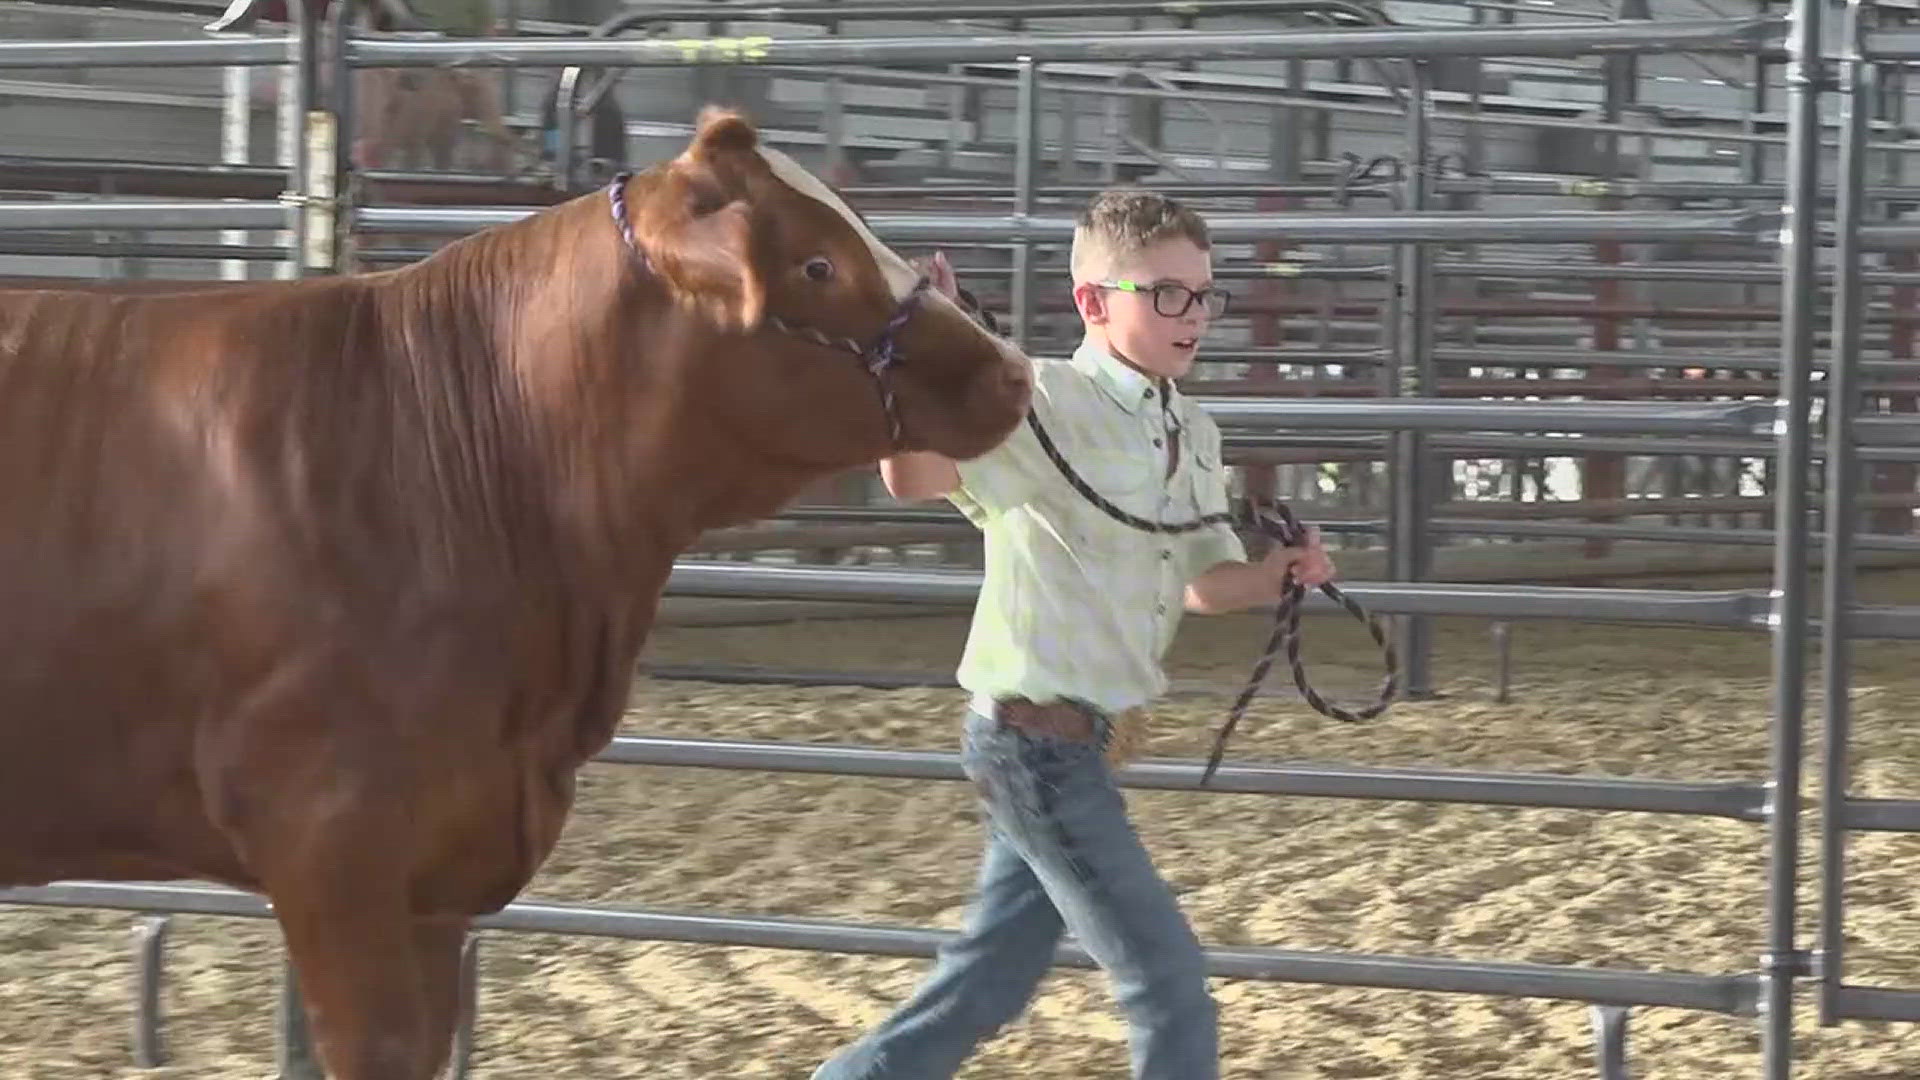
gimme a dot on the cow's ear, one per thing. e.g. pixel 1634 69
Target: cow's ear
pixel 699 233
pixel 721 132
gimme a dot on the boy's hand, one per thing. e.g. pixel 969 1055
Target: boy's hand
pixel 1310 563
pixel 940 274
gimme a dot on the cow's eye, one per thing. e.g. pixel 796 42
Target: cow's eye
pixel 818 268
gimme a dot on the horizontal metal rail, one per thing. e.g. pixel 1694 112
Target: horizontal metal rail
pixel 1883 621
pixel 1889 237
pixel 1881 815
pixel 1750 609
pixel 1662 534
pixel 86 175
pixel 1572 186
pixel 1414 414
pixel 1744 802
pixel 1633 272
pixel 885 517
pixel 1715 35
pixel 1901 44
pixel 1733 609
pixel 1507 356
pixel 76 214
pixel 1874 1003
pixel 219 52
pixel 1547 227
pixel 824 13
pixel 1593 358
pixel 67 247
pixel 1883 430
pixel 1548 446
pixel 1733 994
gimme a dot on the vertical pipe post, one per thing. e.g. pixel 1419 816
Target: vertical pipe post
pixel 299 86
pixel 1026 160
pixel 332 149
pixel 1856 89
pixel 150 967
pixel 460 1062
pixel 294 1056
pixel 1890 82
pixel 1604 476
pixel 1409 554
pixel 236 140
pixel 1260 482
pixel 1759 71
pixel 834 119
pixel 1800 241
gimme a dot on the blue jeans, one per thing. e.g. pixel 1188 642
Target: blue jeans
pixel 1061 855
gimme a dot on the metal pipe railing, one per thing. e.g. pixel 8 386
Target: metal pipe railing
pixel 1596 417
pixel 1679 189
pixel 1715 35
pixel 1856 86
pixel 640 14
pixel 1752 226
pixel 1782 962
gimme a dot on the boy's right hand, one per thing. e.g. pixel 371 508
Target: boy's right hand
pixel 940 274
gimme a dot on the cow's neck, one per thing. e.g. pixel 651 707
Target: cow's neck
pixel 633 467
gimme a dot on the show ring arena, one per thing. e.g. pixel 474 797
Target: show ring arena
pixel 1604 819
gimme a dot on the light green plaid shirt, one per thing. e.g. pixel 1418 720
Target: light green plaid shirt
pixel 1074 603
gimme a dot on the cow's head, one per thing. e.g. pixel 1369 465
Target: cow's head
pixel 792 299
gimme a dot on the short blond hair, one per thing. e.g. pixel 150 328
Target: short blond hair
pixel 1119 223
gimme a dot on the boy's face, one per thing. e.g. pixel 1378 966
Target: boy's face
pixel 1128 307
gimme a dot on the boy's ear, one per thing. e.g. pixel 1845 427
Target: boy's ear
pixel 1092 302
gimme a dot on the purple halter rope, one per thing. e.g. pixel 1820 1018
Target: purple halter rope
pixel 879 356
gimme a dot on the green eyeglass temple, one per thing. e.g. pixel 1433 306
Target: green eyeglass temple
pixel 1179 297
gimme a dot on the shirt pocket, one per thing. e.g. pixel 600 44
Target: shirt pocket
pixel 1129 482
pixel 1207 483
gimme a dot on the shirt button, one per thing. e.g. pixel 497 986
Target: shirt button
pixel 1165 555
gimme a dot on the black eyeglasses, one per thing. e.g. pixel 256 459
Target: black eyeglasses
pixel 1174 300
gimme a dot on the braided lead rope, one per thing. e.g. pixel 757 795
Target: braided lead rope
pixel 886 352
pixel 1278 522
pixel 878 357
pixel 877 360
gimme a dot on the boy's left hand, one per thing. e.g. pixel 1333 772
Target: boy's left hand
pixel 1315 567
pixel 1309 563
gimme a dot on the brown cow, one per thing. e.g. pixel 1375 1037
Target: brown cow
pixel 325 589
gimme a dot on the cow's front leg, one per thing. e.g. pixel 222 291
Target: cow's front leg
pixel 437 947
pixel 357 952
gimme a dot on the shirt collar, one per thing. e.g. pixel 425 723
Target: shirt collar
pixel 1128 388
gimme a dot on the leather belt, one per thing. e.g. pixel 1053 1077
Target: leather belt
pixel 1055 719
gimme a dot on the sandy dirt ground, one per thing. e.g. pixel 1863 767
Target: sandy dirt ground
pixel 1615 890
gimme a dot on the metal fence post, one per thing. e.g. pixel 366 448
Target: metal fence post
pixel 1026 161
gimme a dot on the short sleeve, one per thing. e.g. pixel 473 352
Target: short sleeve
pixel 1211 546
pixel 1004 477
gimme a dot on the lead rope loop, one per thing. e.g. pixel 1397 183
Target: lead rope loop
pixel 1277 521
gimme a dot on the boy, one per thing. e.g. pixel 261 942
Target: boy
pixel 1074 616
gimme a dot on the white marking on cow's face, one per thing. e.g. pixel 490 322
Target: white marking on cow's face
pixel 899 274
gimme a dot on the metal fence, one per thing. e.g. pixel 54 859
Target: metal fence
pixel 1411 419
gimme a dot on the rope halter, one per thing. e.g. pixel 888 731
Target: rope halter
pixel 878 356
